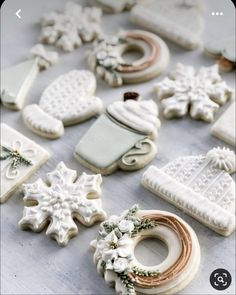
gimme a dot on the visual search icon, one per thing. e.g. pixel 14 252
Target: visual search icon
pixel 220 279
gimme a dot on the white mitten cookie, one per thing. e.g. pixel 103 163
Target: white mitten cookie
pixel 115 260
pixel 67 30
pixel 180 21
pixel 122 138
pixel 106 58
pixel 199 92
pixel 224 51
pixel 18 79
pixel 20 158
pixel 68 198
pixel 199 185
pixel 66 101
pixel 224 127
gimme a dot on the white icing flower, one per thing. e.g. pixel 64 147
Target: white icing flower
pixel 120 265
pixel 222 158
pixel 111 247
pixel 126 226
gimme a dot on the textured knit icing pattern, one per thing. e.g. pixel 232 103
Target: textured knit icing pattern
pixel 199 92
pixel 204 178
pixel 70 96
pixel 66 198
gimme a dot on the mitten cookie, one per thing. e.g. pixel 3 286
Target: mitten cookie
pixel 199 185
pixel 18 79
pixel 67 30
pixel 68 198
pixel 115 260
pixel 20 158
pixel 106 58
pixel 66 101
pixel 122 137
pixel 180 21
pixel 199 92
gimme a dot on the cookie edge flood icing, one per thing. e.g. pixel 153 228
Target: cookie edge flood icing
pixel 179 282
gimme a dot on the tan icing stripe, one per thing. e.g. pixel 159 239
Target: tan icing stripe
pixel 175 270
pixel 155 50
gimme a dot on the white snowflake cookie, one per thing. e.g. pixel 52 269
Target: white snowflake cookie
pixel 20 158
pixel 199 92
pixel 17 80
pixel 180 21
pixel 199 185
pixel 115 260
pixel 66 101
pixel 68 198
pixel 106 58
pixel 67 30
pixel 122 138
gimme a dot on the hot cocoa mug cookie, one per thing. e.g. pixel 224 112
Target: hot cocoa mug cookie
pixel 107 62
pixel 115 260
pixel 122 137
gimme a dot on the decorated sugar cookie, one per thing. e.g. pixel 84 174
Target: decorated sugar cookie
pixel 68 198
pixel 20 158
pixel 115 260
pixel 66 101
pixel 199 92
pixel 69 29
pixel 107 62
pixel 180 21
pixel 199 185
pixel 122 138
pixel 114 6
pixel 224 51
pixel 224 127
pixel 18 79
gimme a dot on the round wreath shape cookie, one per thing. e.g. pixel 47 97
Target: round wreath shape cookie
pixel 106 58
pixel 116 262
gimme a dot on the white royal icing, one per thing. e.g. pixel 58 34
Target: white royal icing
pixel 140 115
pixel 200 185
pixel 45 58
pixel 203 91
pixel 67 30
pixel 66 198
pixel 114 251
pixel 181 21
pixel 13 170
pixel 68 99
pixel 224 127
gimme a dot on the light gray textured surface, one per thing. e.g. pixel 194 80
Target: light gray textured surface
pixel 34 264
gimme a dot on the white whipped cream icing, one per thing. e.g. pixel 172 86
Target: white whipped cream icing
pixel 141 116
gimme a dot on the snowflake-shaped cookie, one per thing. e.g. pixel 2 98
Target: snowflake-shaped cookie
pixel 199 92
pixel 66 198
pixel 67 30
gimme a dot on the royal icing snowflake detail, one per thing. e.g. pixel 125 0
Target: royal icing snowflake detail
pixel 67 30
pixel 67 198
pixel 199 92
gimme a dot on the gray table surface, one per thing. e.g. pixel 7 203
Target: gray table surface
pixel 34 264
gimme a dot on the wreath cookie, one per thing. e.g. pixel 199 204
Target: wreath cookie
pixel 107 62
pixel 115 259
